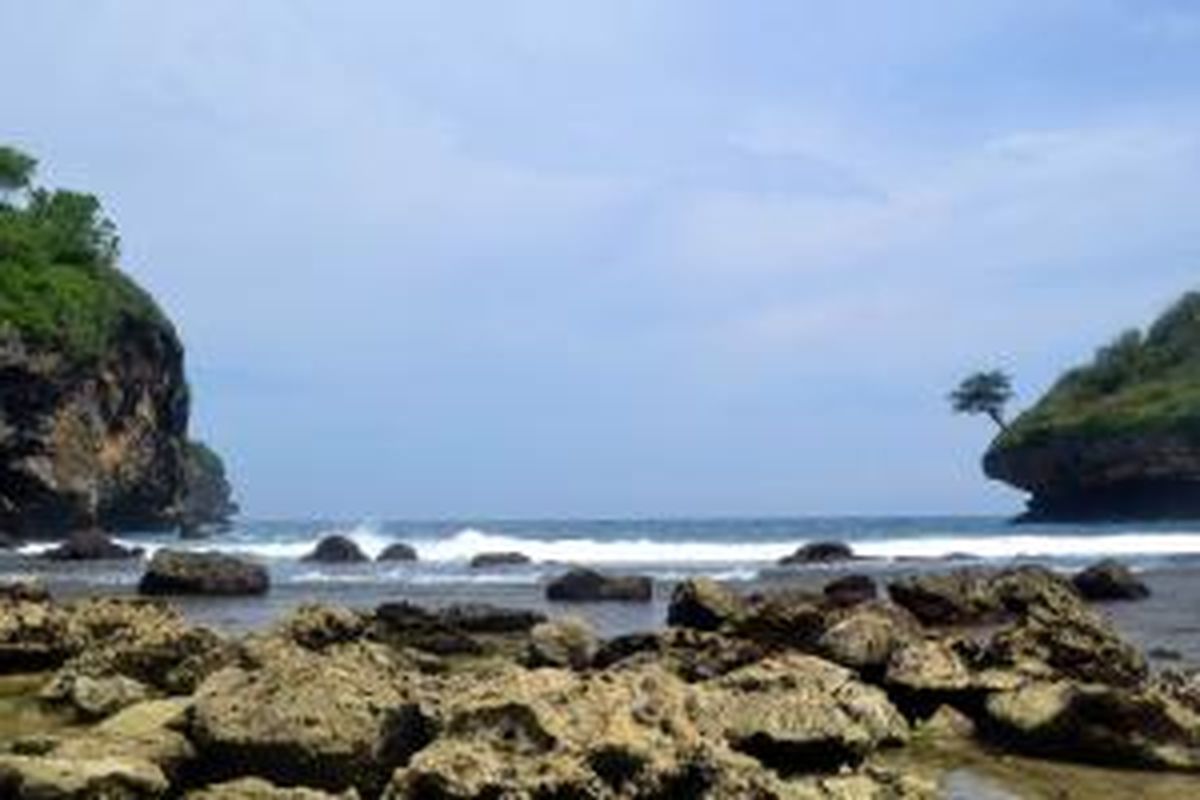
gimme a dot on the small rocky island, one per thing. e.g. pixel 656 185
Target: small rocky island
pixel 1119 438
pixel 93 396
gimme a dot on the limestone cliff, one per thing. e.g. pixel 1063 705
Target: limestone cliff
pixel 1118 438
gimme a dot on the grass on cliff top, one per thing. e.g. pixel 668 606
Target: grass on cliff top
pixel 1143 382
pixel 59 284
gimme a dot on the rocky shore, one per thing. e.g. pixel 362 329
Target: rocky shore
pixel 783 694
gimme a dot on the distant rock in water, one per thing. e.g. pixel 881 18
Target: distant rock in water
pixel 1119 438
pixel 93 397
pixel 819 553
pixel 585 585
pixel 336 549
pixel 176 572
pixel 398 551
pixel 90 545
pixel 208 497
pixel 488 560
pixel 1110 580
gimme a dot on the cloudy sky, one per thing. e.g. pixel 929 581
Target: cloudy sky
pixel 621 257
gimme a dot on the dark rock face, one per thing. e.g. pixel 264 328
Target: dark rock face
pixel 173 572
pixel 703 604
pixel 1110 580
pixel 488 560
pixel 819 553
pixel 207 496
pixel 585 585
pixel 398 552
pixel 90 545
pixel 336 550
pixel 851 590
pixel 101 445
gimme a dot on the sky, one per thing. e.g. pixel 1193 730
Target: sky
pixel 531 258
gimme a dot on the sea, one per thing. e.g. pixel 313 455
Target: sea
pixel 741 551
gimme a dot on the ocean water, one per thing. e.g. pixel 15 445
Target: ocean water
pixel 741 551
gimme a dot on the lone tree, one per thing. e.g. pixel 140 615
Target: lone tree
pixel 984 393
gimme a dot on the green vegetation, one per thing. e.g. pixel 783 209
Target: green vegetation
pixel 983 393
pixel 59 283
pixel 1143 382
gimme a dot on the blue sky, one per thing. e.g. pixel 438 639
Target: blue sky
pixel 622 257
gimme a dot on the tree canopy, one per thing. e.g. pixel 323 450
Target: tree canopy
pixel 16 169
pixel 983 393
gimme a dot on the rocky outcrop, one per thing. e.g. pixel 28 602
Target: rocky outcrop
pixel 1109 580
pixel 207 494
pixel 491 560
pixel 1118 438
pixel 588 586
pixel 703 604
pixel 819 553
pixel 90 545
pixel 100 444
pixel 397 551
pixel 178 572
pixel 336 549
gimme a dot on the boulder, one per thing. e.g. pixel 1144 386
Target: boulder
pixel 91 697
pixel 340 718
pixel 177 572
pixel 316 626
pixel 928 666
pixel 491 560
pixel 865 637
pixel 405 624
pixel 787 618
pixel 1145 728
pixel 1109 580
pixel 960 597
pixel 146 732
pixel 397 551
pixel 691 654
pixel 819 553
pixel 799 714
pixel 850 590
pixel 703 604
pixel 567 642
pixel 336 549
pixel 485 618
pixel 90 544
pixel 47 778
pixel 258 789
pixel 585 585
pixel 1075 641
pixel 32 629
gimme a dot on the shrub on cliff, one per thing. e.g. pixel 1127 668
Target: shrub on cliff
pixel 59 284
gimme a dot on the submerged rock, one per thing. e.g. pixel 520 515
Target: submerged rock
pixel 182 573
pixel 90 545
pixel 336 549
pixel 397 551
pixel 819 553
pixel 585 585
pixel 703 604
pixel 1109 580
pixel 490 560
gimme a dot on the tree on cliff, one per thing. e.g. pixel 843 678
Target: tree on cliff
pixel 983 393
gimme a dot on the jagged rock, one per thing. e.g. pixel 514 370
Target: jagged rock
pixel 1109 580
pixel 1076 642
pixel 1144 728
pixel 692 655
pixel 207 495
pixel 93 697
pixel 953 598
pixel 258 789
pixel 397 551
pixel 44 778
pixel 567 642
pixel 787 618
pixel 819 553
pixel 177 572
pixel 866 636
pixel 90 545
pixel 317 626
pixel 850 590
pixel 330 720
pixel 145 732
pixel 799 714
pixel 585 585
pixel 491 560
pixel 703 604
pixel 946 724
pixel 32 629
pixel 928 666
pixel 485 618
pixel 404 624
pixel 336 549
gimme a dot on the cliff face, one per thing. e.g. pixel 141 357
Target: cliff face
pixel 100 443
pixel 1118 438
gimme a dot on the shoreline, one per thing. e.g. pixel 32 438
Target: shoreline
pixel 453 665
